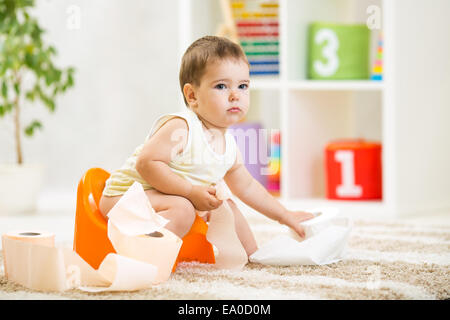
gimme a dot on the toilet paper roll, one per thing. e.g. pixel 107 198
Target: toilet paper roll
pixel 37 237
pixel 137 231
pixel 33 236
pixel 31 260
pixel 159 248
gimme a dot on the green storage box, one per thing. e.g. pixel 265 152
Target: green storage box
pixel 338 51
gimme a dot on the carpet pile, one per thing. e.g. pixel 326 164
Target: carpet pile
pixel 385 260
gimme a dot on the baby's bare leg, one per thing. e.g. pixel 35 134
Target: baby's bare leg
pixel 178 210
pixel 243 229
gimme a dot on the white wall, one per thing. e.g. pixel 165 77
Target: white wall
pixel 126 58
pixel 422 105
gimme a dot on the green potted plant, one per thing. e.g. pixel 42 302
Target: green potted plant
pixel 27 72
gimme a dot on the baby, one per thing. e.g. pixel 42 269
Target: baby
pixel 187 153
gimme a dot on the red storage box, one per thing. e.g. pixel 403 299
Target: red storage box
pixel 353 170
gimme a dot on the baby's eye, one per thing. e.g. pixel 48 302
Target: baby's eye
pixel 220 86
pixel 243 86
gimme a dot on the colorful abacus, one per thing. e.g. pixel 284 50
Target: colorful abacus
pixel 257 27
pixel 377 71
pixel 273 179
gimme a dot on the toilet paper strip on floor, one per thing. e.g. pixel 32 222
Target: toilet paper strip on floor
pixel 325 242
pixel 222 234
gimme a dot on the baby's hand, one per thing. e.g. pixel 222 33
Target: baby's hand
pixel 292 219
pixel 204 198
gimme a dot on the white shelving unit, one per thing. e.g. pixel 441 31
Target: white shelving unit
pixel 312 113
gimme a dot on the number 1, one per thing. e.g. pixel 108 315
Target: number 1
pixel 347 188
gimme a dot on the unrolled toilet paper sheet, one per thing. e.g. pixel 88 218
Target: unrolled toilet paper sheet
pixel 222 234
pixel 326 237
pixel 134 215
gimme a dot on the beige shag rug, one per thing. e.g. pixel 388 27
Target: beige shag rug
pixel 385 260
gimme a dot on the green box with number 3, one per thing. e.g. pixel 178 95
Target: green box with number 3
pixel 338 51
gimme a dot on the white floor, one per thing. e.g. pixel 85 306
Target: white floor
pixel 56 214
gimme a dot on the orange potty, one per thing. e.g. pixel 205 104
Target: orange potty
pixel 91 240
pixel 195 246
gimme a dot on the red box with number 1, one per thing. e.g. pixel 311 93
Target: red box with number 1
pixel 353 170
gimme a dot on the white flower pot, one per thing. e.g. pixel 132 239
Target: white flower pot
pixel 19 187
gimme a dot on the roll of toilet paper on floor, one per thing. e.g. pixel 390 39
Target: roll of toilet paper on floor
pixel 32 236
pixel 136 231
pixel 30 259
pixel 159 248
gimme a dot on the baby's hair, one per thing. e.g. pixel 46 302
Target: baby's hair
pixel 203 51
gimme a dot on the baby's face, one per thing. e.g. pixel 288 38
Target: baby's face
pixel 223 94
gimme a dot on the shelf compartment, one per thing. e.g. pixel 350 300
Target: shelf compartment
pixel 265 108
pixel 296 17
pixel 315 119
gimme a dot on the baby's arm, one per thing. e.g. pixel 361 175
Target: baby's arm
pixel 152 165
pixel 252 193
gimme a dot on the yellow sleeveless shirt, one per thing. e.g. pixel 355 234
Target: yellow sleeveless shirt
pixel 198 163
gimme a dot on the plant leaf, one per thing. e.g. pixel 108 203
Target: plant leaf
pixel 30 95
pixel 29 130
pixel 22 48
pixel 8 107
pixel 4 90
pixel 17 88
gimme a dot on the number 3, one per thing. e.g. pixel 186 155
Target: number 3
pixel 328 52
